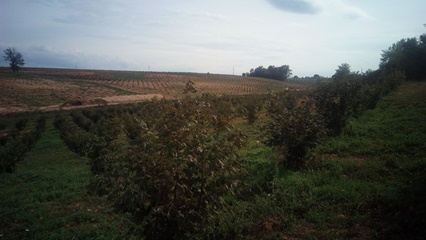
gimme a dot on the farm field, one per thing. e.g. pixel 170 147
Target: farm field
pixel 272 153
pixel 366 183
pixel 34 89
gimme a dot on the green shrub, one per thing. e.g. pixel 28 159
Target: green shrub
pixel 170 169
pixel 336 101
pixel 21 123
pixel 76 138
pixel 294 130
pixel 391 80
pixel 249 106
pixel 15 150
pixel 81 120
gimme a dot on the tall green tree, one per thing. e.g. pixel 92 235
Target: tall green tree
pixel 407 55
pixel 15 58
pixel 342 71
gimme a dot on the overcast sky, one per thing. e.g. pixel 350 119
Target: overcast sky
pixel 216 36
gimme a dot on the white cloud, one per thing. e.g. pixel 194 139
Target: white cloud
pixel 296 6
pixel 312 36
pixel 342 8
pixel 210 15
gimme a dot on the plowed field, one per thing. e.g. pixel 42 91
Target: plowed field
pixel 34 89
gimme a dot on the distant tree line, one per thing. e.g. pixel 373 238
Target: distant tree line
pixel 314 78
pixel 279 73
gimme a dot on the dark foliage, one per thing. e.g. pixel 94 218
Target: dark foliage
pixel 337 101
pixel 168 170
pixel 15 58
pixel 21 123
pixel 294 129
pixel 18 144
pixel 408 56
pixel 272 72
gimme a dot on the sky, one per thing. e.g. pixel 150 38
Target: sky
pixel 216 36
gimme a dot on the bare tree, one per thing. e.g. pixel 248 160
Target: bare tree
pixel 15 58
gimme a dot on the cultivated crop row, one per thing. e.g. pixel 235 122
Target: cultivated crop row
pixel 181 156
pixel 15 143
pixel 169 83
pixel 170 163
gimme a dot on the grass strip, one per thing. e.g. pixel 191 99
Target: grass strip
pixel 47 198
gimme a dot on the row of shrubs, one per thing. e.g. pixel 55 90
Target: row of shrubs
pixel 170 163
pixel 168 170
pixel 16 147
pixel 299 124
pixel 6 134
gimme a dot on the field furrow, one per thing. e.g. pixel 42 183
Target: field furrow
pixel 38 88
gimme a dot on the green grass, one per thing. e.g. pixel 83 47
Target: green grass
pixel 47 198
pixel 367 183
pixel 385 149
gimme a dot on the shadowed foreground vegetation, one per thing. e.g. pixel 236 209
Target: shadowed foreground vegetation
pixel 47 197
pixel 368 182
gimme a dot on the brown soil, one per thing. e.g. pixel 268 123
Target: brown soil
pixel 53 89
